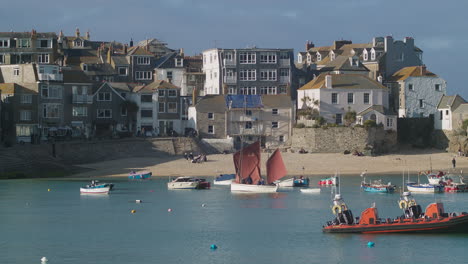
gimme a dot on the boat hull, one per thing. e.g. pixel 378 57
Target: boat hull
pixel 457 224
pixel 182 185
pixel 225 182
pixel 310 190
pixel 424 188
pixel 224 179
pixel 286 183
pixel 378 189
pixel 251 188
pixel 95 190
pixel 140 175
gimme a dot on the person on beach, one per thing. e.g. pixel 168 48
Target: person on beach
pixel 454 162
pixel 459 152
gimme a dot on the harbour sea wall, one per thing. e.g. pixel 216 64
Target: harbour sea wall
pixel 370 141
pixel 33 161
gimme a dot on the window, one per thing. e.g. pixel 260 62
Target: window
pixel 441 115
pixel 410 87
pixel 248 90
pixel 309 58
pixel 51 91
pixel 123 111
pixel 143 75
pixel 366 98
pixel 228 56
pixel 338 119
pixel 232 90
pixel 172 107
pixel 248 75
pixel 332 56
pixel 78 43
pixel 162 107
pixel 283 89
pixel 44 43
pixel 210 116
pixel 26 99
pixel 437 87
pixel 268 57
pixel 421 103
pixel 284 56
pixel 247 58
pixel 16 71
pixel 85 67
pixel 146 98
pixel 24 43
pixel 143 60
pixel 268 90
pixel 248 112
pixel 123 71
pixel 178 62
pixel 172 93
pixel 389 122
pixel 161 93
pixel 104 96
pixel 169 75
pixel 2 58
pixel 268 75
pixel 248 125
pixel 146 113
pixel 401 57
pixel 334 98
pixel 319 57
pixel 274 111
pixel 4 43
pixel 51 110
pixel 365 55
pixel 284 72
pixel 25 115
pixel 274 124
pixel 210 129
pixel 281 138
pixel 350 98
pixel 44 58
pixel 104 113
pixel 373 55
pixel 80 111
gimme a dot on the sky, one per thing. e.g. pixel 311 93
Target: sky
pixel 439 27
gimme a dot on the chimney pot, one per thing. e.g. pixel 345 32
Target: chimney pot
pixel 328 81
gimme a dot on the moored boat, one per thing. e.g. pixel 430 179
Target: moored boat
pixel 424 188
pixel 294 182
pixel 330 181
pixel 97 188
pixel 433 220
pixel 140 175
pixel 310 190
pixel 224 179
pixel 377 186
pixel 188 183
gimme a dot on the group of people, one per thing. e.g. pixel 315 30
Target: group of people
pixel 195 159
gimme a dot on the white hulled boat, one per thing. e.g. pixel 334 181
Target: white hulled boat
pixel 183 183
pixel 424 188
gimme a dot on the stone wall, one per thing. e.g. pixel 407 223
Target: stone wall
pixel 340 139
pixel 450 141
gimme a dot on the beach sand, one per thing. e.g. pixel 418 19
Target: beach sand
pixel 314 164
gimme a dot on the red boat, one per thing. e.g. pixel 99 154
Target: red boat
pixel 433 220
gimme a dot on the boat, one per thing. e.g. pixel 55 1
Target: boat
pixel 424 188
pixel 248 176
pixel 310 190
pixel 436 178
pixel 188 183
pixel 453 186
pixel 377 186
pixel 294 182
pixel 97 188
pixel 224 179
pixel 330 181
pixel 140 175
pixel 413 220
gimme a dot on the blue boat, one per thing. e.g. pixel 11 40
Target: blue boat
pixel 140 175
pixel 301 182
pixel 377 187
pixel 224 179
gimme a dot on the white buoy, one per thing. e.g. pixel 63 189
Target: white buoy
pixel 203 205
pixel 138 201
pixel 44 260
pixel 169 210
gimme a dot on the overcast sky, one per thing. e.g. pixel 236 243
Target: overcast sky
pixel 439 27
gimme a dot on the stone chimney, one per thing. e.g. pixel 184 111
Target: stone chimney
pixel 131 42
pixel 87 35
pixel 380 79
pixel 423 69
pixel 340 43
pixel 181 51
pixel 309 45
pixel 60 37
pixel 328 81
pixel 110 51
pixel 77 32
pixel 125 48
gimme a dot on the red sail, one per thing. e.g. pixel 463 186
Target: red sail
pixel 275 167
pixel 247 163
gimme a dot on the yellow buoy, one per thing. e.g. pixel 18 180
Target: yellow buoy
pixel 133 211
pixel 48 190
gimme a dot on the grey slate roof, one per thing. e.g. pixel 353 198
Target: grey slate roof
pixel 449 100
pixel 27 35
pixel 377 108
pixel 462 108
pixel 211 103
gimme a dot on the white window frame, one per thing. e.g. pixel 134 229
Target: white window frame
pixel 80 111
pixel 26 99
pixel 179 62
pixel 389 122
pixel 78 43
pixel 106 113
pixel 172 93
pixel 350 96
pixel 143 60
pixel 247 58
pixel 365 55
pixel 421 103
pixel 43 58
pixel 268 58
pixel 123 68
pixel 161 93
pixel 248 90
pixel 268 75
pixel 104 97
pixel 25 115
pixel 22 41
pixel 172 109
pixel 268 90
pixel 319 56
pixel 232 90
pixel 274 111
pixel 274 124
pixel 284 72
pixel 438 87
pixel 143 75
pixel 211 129
pixel 336 101
pixel 248 75
pixel 368 98
pixel 161 107
pixel 210 116
pixel 372 54
pixel 4 43
pixel 16 71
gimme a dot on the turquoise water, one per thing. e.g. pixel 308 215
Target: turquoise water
pixel 67 227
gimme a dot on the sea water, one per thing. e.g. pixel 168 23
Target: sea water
pixel 49 217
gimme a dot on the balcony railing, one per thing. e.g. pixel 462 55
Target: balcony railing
pixel 230 80
pixel 284 62
pixel 284 79
pixel 82 99
pixel 229 62
pixel 50 77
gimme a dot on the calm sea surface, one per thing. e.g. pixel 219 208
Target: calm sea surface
pixel 285 227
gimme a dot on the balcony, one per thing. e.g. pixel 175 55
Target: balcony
pixel 228 63
pixel 50 77
pixel 284 79
pixel 230 80
pixel 82 99
pixel 284 62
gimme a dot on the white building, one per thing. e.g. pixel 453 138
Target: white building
pixel 335 94
pixel 420 91
pixel 446 106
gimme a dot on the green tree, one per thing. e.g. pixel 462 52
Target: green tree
pixel 350 117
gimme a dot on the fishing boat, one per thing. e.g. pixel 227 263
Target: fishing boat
pixel 248 176
pixel 424 188
pixel 188 183
pixel 224 179
pixel 97 188
pixel 294 182
pixel 413 220
pixel 376 186
pixel 140 175
pixel 436 178
pixel 330 181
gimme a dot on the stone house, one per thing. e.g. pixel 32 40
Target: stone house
pixel 459 115
pixel 380 115
pixel 141 64
pixel 416 91
pixel 444 119
pixel 332 95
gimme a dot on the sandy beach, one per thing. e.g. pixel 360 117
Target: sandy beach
pixel 313 164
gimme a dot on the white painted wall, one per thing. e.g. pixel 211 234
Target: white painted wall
pixel 446 122
pixel 211 68
pixel 423 88
pixel 178 75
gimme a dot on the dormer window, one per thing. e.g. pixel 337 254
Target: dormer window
pixel 365 55
pixel 372 54
pixel 299 58
pixel 143 60
pixel 78 43
pixel 332 56
pixel 354 61
pixel 85 67
pixel 319 56
pixel 309 58
pixel 179 62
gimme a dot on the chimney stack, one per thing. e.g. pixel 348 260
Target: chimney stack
pixel 77 32
pixel 380 79
pixel 309 45
pixel 423 69
pixel 87 35
pixel 131 42
pixel 125 48
pixel 328 81
pixel 181 51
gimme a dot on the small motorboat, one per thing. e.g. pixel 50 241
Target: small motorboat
pixel 293 182
pixel 310 190
pixel 188 183
pixel 424 188
pixel 377 186
pixel 140 175
pixel 414 220
pixel 330 181
pixel 224 179
pixel 97 188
